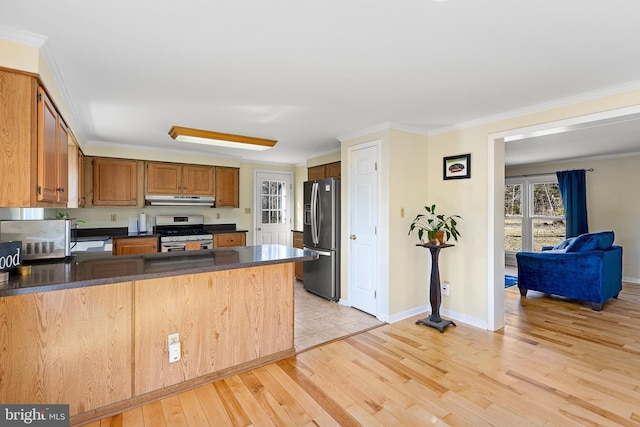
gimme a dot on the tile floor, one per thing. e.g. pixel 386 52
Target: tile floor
pixel 318 320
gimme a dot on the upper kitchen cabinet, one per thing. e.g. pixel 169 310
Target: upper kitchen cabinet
pixel 227 187
pixel 179 179
pixel 330 170
pixel 33 141
pixel 114 182
pixel 76 169
pixel 53 140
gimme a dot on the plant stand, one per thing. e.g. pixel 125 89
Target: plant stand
pixel 434 320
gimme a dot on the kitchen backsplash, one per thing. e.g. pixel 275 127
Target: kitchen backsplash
pixel 104 217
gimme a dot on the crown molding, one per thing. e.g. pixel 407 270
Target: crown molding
pixel 560 102
pixel 21 36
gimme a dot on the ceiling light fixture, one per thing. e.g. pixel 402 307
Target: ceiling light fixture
pixel 228 140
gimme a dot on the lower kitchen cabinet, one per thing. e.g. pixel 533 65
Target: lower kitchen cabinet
pixel 135 245
pixel 225 240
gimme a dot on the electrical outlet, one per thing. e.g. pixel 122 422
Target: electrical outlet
pixel 217 216
pixel 446 288
pixel 173 338
pixel 247 210
pixel 174 347
pixel 114 217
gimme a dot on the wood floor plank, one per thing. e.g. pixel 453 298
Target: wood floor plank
pixel 232 406
pixel 152 414
pixel 193 411
pixel 555 363
pixel 324 409
pixel 115 421
pixel 284 397
pixel 173 412
pixel 212 406
pixel 133 418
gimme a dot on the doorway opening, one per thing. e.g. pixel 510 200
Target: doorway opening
pixel 497 143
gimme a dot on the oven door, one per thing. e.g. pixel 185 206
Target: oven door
pixel 183 246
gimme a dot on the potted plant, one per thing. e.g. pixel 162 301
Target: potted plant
pixel 436 226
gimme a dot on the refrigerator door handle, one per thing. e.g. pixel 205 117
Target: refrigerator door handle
pixel 315 232
pixel 321 253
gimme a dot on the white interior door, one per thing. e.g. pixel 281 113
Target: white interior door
pixel 273 207
pixel 363 223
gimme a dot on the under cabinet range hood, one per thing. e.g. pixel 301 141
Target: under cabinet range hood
pixel 163 200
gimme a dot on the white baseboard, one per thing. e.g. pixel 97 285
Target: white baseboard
pixel 450 315
pixel 633 280
pixel 409 313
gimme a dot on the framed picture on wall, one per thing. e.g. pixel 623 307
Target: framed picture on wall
pixel 457 167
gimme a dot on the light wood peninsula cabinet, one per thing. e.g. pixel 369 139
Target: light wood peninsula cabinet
pixel 227 187
pixel 102 347
pixel 33 140
pixel 114 182
pixel 179 179
pixel 72 346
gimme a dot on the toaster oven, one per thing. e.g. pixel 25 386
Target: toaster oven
pixel 41 238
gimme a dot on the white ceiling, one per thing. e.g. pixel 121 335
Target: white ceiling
pixel 307 72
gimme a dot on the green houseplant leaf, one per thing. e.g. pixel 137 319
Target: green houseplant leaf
pixel 431 222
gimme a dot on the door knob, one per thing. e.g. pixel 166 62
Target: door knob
pixel 259 229
pixel 352 237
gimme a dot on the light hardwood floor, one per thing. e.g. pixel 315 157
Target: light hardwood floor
pixel 556 363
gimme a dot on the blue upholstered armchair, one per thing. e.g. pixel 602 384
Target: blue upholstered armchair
pixel 587 267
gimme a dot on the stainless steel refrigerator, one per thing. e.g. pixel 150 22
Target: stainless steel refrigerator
pixel 322 234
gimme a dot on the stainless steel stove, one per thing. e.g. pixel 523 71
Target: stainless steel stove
pixel 182 232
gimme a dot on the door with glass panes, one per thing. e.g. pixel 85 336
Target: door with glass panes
pixel 273 207
pixel 533 215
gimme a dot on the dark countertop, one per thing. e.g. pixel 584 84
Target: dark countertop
pixel 105 233
pixel 100 268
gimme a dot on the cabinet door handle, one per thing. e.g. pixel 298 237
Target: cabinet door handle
pixel 60 189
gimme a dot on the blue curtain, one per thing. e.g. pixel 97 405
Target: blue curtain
pixel 573 188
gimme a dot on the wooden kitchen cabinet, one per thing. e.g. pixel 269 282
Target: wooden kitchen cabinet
pixel 115 182
pixel 298 242
pixel 76 169
pixel 329 170
pixel 225 240
pixel 33 140
pixel 333 170
pixel 53 140
pixel 179 179
pixel 227 187
pixel 135 245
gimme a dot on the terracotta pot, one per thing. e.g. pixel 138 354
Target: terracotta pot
pixel 440 237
